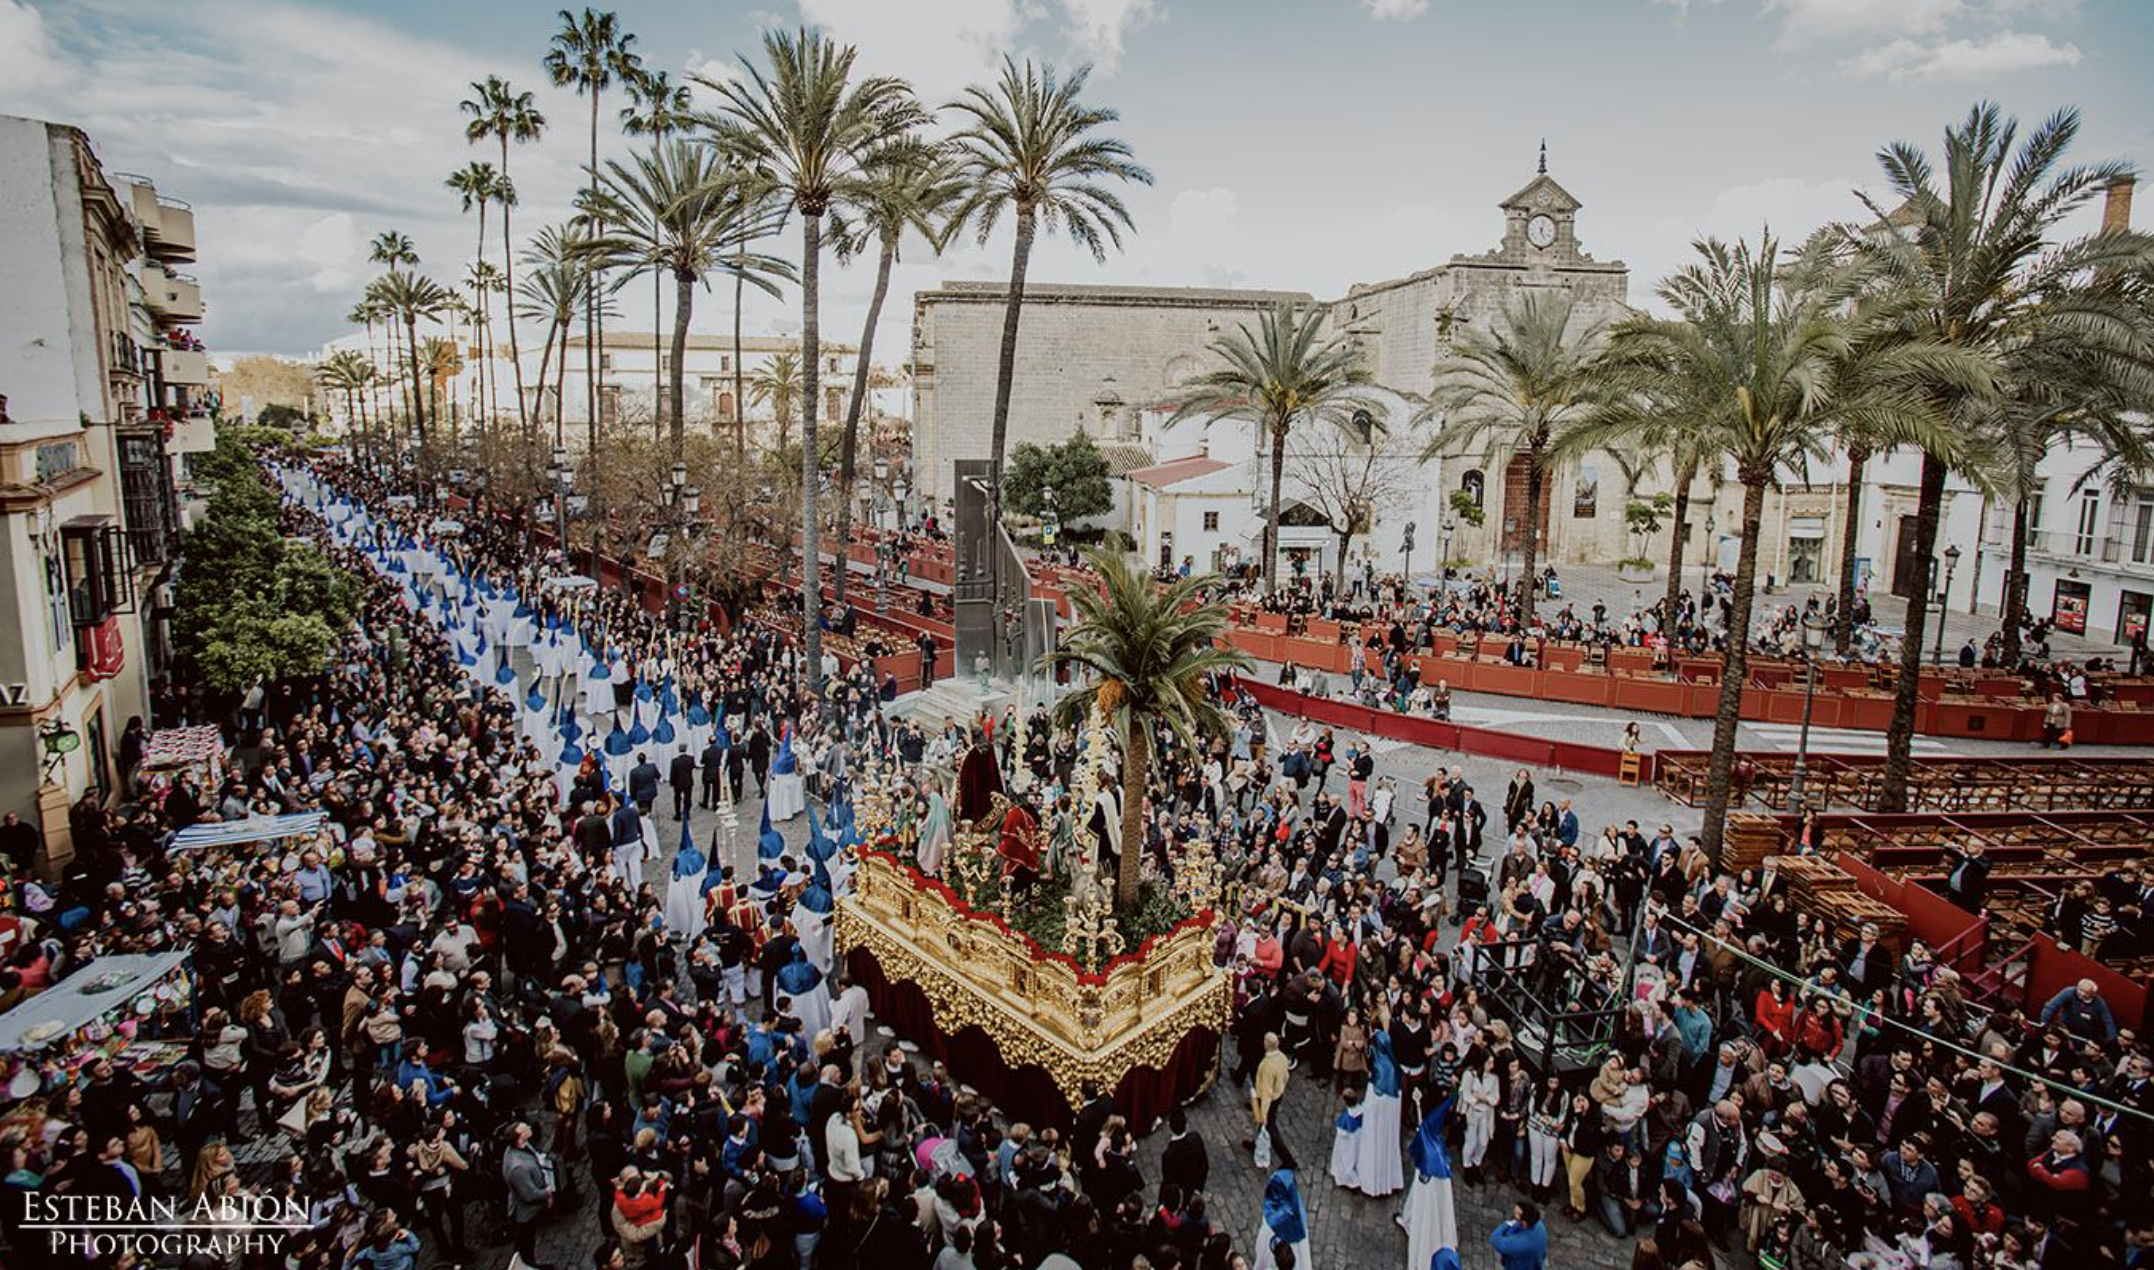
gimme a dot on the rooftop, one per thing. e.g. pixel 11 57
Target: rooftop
pixel 1175 471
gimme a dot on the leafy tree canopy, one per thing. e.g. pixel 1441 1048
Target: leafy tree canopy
pixel 1075 470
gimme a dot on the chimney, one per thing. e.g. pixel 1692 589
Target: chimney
pixel 2117 208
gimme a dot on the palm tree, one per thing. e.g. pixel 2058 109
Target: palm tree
pixel 346 371
pixel 501 112
pixel 1154 650
pixel 365 313
pixel 443 363
pixel 1281 375
pixel 1511 389
pixel 2064 392
pixel 910 186
pixel 409 297
pixel 392 249
pixel 586 54
pixel 1755 356
pixel 657 108
pixel 1028 145
pixel 776 384
pixel 672 213
pixel 557 286
pixel 805 130
pixel 1973 255
pixel 484 282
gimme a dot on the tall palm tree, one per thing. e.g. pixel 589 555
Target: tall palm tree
pixel 346 371
pixel 776 383
pixel 2065 392
pixel 442 363
pixel 1974 255
pixel 1029 145
pixel 804 129
pixel 392 249
pixel 557 287
pixel 1755 355
pixel 503 113
pixel 657 108
pixel 1153 651
pixel 587 53
pixel 409 298
pixel 910 186
pixel 671 213
pixel 1510 390
pixel 1283 374
pixel 365 313
pixel 476 185
pixel 484 282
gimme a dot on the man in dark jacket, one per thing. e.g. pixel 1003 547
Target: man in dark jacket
pixel 643 783
pixel 682 776
pixel 1185 1162
pixel 714 764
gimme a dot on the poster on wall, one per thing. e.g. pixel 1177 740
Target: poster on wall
pixel 2068 611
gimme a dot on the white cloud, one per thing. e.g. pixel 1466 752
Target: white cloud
pixel 1395 10
pixel 1808 22
pixel 28 60
pixel 961 43
pixel 1098 26
pixel 1913 61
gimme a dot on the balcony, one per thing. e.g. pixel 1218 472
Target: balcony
pixel 186 366
pixel 183 299
pixel 174 236
pixel 167 223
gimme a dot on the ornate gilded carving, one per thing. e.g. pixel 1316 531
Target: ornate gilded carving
pixel 1037 1007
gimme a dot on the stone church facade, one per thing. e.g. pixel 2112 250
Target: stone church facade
pixel 1093 357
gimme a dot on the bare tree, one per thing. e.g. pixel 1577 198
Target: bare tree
pixel 1352 476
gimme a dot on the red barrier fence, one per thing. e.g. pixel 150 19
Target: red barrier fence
pixel 2027 976
pixel 1595 760
pixel 1629 682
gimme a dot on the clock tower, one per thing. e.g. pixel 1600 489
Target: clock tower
pixel 1540 221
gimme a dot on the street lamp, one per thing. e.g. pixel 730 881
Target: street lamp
pixel 561 475
pixel 1814 628
pixel 1050 521
pixel 1944 605
pixel 876 493
pixel 1443 566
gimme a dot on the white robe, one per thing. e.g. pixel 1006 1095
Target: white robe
pixel 1431 1221
pixel 1378 1168
pixel 1346 1150
pixel 1263 1260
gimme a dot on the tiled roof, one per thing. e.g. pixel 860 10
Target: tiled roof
pixel 1175 471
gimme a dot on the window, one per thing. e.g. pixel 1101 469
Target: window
pixel 93 731
pixel 725 406
pixel 2089 516
pixel 2142 527
pixel 1211 522
pixel 609 404
pixel 96 559
pixel 57 458
pixel 1806 549
pixel 833 402
pixel 725 361
pixel 1586 493
pixel 833 365
pixel 1473 483
pixel 146 495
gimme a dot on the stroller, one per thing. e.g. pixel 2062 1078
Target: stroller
pixel 1472 892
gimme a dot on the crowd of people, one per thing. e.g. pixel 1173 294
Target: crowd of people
pixel 487 1002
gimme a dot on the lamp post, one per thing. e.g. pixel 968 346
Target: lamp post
pixel 561 475
pixel 1814 628
pixel 1443 566
pixel 1944 606
pixel 1050 520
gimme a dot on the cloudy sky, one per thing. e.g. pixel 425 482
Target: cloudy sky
pixel 1307 144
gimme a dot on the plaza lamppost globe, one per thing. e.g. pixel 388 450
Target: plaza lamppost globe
pixel 1814 630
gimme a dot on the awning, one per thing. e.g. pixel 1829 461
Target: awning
pixel 225 833
pixel 103 985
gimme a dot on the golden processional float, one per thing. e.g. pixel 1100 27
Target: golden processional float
pixel 1029 1026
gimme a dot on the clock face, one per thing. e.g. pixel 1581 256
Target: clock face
pixel 1541 231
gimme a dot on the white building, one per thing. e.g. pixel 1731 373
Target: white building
pixel 99 379
pixel 2090 551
